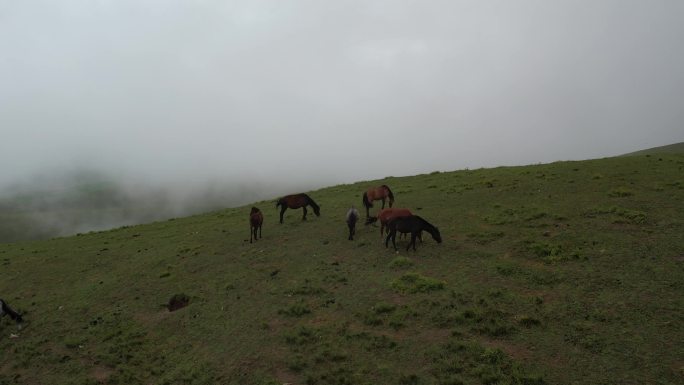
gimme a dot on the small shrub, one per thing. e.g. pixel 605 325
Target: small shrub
pixel 620 192
pixel 381 308
pixel 410 379
pixel 400 263
pixel 416 283
pixel 302 336
pixel 528 321
pixel 296 310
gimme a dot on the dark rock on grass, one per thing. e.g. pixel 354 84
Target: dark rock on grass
pixel 178 301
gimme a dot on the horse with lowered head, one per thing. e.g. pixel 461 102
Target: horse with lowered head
pixel 256 220
pixel 413 225
pixel 296 201
pixel 377 193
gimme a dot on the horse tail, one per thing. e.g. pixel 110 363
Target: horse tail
pixel 389 193
pixel 366 202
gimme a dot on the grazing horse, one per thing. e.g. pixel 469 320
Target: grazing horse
pixel 5 309
pixel 352 217
pixel 296 201
pixel 386 215
pixel 256 219
pixel 377 193
pixel 414 225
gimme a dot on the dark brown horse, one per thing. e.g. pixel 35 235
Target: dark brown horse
pixel 5 309
pixel 256 220
pixel 296 201
pixel 377 193
pixel 414 225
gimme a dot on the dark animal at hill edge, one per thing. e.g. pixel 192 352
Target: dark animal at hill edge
pixel 377 193
pixel 256 220
pixel 352 218
pixel 296 201
pixel 5 309
pixel 414 225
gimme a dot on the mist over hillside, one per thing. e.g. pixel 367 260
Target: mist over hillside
pixel 85 200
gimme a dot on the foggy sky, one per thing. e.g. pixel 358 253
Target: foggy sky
pixel 322 92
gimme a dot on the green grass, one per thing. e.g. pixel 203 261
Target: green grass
pixel 562 273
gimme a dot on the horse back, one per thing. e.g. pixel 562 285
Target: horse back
pixel 386 215
pixel 295 201
pixel 256 218
pixel 352 216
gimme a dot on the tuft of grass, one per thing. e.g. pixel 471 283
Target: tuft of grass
pixel 296 310
pixel 416 283
pixel 400 263
pixel 620 214
pixel 620 192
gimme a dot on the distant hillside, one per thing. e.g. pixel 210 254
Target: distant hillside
pixel 562 273
pixel 677 148
pixel 88 201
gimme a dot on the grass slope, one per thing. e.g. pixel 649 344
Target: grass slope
pixel 563 273
pixel 676 148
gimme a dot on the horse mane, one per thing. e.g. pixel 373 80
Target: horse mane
pixel 430 226
pixel 389 192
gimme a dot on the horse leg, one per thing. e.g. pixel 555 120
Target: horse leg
pixel 304 217
pixel 393 235
pixel 413 241
pixel 282 211
pixel 351 232
pixel 260 236
pixel 383 203
pixel 251 232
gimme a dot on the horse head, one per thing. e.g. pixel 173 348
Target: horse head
pixel 436 235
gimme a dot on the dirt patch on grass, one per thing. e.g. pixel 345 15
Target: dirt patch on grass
pixel 101 373
pixel 285 376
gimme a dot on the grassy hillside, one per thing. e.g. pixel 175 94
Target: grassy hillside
pixel 564 273
pixel 676 148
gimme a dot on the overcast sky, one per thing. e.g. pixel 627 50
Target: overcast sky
pixel 322 92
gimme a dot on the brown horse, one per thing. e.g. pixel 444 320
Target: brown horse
pixel 377 193
pixel 296 201
pixel 386 215
pixel 256 220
